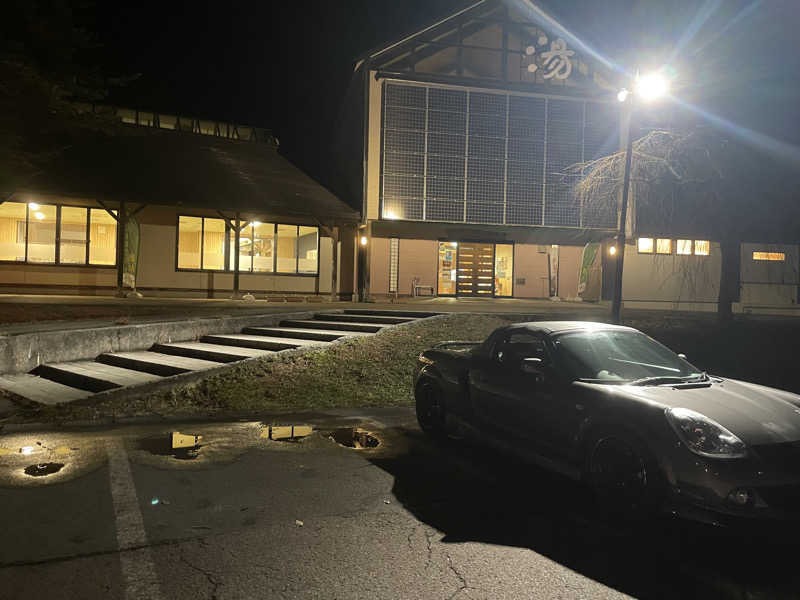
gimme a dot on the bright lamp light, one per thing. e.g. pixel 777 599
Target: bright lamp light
pixel 651 86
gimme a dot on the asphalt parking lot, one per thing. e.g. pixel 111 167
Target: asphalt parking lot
pixel 248 517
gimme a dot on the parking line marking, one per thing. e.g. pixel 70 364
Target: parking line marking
pixel 140 579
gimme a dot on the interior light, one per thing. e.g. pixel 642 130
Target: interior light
pixel 612 250
pixel 363 240
pixel 390 214
pixel 39 215
pixel 454 244
pixel 256 223
pixel 33 205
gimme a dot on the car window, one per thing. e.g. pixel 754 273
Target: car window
pixel 618 356
pixel 516 346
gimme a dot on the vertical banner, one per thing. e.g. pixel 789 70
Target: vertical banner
pixel 590 275
pixel 130 256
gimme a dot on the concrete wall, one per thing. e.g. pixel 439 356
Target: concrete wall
pixel 770 283
pixel 569 264
pixel 671 281
pixel 530 265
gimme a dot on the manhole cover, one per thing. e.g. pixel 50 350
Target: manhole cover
pixel 42 469
pixel 162 446
pixel 353 437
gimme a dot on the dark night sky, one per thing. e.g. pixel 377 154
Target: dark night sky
pixel 286 65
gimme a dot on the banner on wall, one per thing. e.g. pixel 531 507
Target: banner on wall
pixel 553 271
pixel 590 275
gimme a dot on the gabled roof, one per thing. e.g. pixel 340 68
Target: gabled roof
pixel 177 168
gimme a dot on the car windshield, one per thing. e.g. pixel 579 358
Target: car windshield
pixel 621 357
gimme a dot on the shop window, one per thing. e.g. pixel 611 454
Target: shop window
pixel 503 270
pixel 447 278
pixel 683 246
pixel 13 231
pixel 72 236
pixel 287 249
pixel 307 249
pixel 663 246
pixel 263 247
pixel 213 244
pixel 702 247
pixel 770 256
pixel 102 237
pixel 190 242
pixel 42 234
pixel 645 245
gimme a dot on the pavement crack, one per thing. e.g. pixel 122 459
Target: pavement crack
pixel 464 585
pixel 207 574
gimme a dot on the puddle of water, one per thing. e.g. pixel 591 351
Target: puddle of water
pixel 353 437
pixel 162 446
pixel 43 469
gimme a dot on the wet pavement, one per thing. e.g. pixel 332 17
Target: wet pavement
pixel 332 515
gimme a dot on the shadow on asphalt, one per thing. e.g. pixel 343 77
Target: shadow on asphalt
pixel 471 493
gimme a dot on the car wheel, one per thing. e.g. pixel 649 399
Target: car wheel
pixel 430 409
pixel 624 480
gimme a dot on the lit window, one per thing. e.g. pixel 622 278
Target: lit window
pixel 683 246
pixel 42 234
pixel 776 256
pixel 702 247
pixel 102 237
pixel 190 243
pixel 646 245
pixel 263 247
pixel 287 249
pixel 214 244
pixel 72 238
pixel 13 231
pixel 663 246
pixel 307 249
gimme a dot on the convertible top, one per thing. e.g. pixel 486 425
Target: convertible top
pixel 551 327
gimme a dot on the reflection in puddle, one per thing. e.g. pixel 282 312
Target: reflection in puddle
pixel 354 437
pixel 162 446
pixel 42 469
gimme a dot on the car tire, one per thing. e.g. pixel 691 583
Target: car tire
pixel 624 477
pixel 430 409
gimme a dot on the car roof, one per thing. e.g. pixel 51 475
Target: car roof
pixel 555 327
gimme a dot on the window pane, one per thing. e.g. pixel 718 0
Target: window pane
pixel 12 231
pixel 102 237
pixel 307 245
pixel 776 256
pixel 702 247
pixel 663 246
pixel 214 244
pixel 646 245
pixel 447 268
pixel 72 240
pixel 189 231
pixel 263 247
pixel 245 249
pixel 287 249
pixel 42 235
pixel 684 247
pixel 503 269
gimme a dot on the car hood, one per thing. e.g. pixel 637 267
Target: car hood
pixel 755 413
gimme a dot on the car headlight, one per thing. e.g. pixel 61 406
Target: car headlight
pixel 704 436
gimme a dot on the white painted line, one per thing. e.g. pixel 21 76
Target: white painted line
pixel 139 576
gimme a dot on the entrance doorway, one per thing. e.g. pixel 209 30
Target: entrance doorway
pixel 475 269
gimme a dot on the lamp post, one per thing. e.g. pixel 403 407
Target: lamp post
pixel 647 88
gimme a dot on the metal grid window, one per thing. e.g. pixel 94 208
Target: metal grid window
pixel 458 155
pixel 394 259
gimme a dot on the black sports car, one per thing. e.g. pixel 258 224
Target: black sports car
pixel 613 407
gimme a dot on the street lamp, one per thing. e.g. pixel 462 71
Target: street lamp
pixel 647 88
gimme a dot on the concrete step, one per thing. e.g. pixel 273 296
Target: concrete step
pixel 416 314
pixel 335 326
pixel 155 362
pixel 348 318
pixel 206 351
pixel 41 390
pixel 93 376
pixel 301 333
pixel 262 342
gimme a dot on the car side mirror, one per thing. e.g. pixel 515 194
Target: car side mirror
pixel 533 366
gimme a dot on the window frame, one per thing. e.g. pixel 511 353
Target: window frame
pixel 57 241
pixel 227 247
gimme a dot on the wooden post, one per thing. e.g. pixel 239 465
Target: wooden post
pixel 122 220
pixel 236 257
